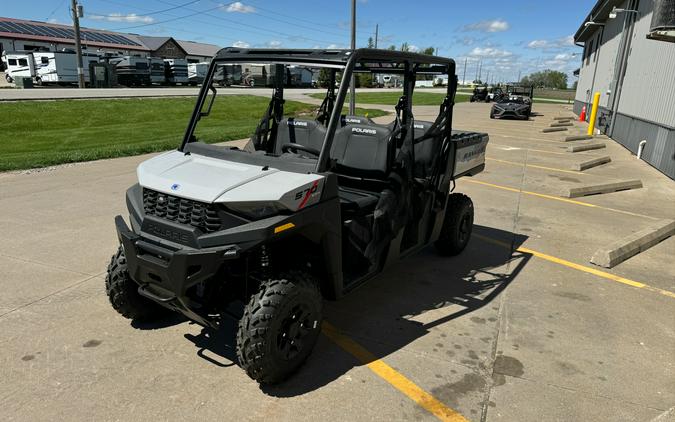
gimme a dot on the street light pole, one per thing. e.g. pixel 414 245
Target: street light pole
pixel 352 88
pixel 75 11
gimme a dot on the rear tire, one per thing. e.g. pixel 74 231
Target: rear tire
pixel 280 327
pixel 123 292
pixel 457 226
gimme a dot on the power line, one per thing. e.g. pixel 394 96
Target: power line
pixel 55 9
pixel 205 13
pixel 290 36
pixel 166 20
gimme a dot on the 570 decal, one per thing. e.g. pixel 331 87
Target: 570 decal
pixel 305 194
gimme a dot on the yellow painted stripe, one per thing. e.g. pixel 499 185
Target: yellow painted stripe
pixel 580 267
pixel 283 227
pixel 393 377
pixel 557 198
pixel 541 195
pixel 537 167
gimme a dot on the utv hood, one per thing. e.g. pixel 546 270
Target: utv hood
pixel 209 180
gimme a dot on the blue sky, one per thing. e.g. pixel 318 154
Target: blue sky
pixel 509 37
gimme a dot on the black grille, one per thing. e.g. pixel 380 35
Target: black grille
pixel 184 211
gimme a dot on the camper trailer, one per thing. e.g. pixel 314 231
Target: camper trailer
pixel 60 67
pixel 176 71
pixel 197 72
pixel 18 64
pixel 131 70
pixel 156 65
pixel 300 77
pixel 228 74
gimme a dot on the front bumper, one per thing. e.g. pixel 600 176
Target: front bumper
pixel 169 271
pixel 509 114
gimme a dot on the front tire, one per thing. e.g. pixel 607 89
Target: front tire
pixel 280 327
pixel 123 292
pixel 457 226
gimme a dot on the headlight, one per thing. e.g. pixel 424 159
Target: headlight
pixel 254 210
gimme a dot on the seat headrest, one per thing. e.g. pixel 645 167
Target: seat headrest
pixel 299 124
pixel 355 120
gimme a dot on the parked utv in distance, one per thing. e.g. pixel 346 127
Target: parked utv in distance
pixel 310 209
pixel 480 93
pixel 516 104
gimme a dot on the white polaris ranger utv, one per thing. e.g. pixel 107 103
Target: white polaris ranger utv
pixel 309 210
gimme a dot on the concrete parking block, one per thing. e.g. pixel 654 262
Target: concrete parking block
pixel 587 147
pixel 562 118
pixel 596 188
pixel 632 245
pixel 578 138
pixel 585 165
pixel 553 129
pixel 561 124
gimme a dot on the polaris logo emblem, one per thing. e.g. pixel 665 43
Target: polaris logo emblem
pixel 167 233
pixel 296 123
pixel 175 187
pixel 353 120
pixel 419 127
pixel 364 131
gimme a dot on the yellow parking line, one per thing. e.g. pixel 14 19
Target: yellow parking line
pixel 541 195
pixel 528 149
pixel 557 198
pixel 537 167
pixel 393 377
pixel 580 267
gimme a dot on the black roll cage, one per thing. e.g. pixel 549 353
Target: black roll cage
pixel 347 61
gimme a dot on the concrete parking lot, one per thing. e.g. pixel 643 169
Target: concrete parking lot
pixel 519 327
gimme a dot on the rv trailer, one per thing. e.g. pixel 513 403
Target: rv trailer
pixel 176 71
pixel 197 72
pixel 60 67
pixel 18 64
pixel 131 70
pixel 156 65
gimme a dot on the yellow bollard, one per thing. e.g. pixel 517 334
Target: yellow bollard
pixel 594 113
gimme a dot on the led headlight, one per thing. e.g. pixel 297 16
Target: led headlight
pixel 255 210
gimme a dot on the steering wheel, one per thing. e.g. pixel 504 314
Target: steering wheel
pixel 298 147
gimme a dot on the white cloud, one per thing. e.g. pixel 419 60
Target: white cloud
pixel 274 44
pixel 489 52
pixel 119 17
pixel 241 44
pixel 496 25
pixel 239 7
pixel 413 48
pixel 567 41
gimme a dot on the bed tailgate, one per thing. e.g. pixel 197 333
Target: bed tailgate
pixel 469 152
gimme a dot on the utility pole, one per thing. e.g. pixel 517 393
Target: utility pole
pixel 518 77
pixel 76 11
pixel 377 27
pixel 480 69
pixel 352 88
pixel 464 77
pixel 487 78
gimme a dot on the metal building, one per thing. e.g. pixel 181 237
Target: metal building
pixel 629 60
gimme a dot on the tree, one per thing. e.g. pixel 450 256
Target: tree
pixel 405 47
pixel 574 85
pixel 371 42
pixel 429 51
pixel 391 47
pixel 546 79
pixel 324 77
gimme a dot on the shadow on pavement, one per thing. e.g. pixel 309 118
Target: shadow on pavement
pixel 380 311
pixel 378 314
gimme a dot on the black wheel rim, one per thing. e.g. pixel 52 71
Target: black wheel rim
pixel 294 328
pixel 464 229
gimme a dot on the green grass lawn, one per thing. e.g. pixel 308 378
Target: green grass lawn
pixel 378 97
pixel 44 133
